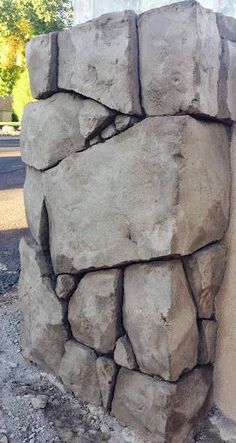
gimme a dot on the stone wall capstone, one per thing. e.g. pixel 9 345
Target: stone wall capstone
pixel 127 197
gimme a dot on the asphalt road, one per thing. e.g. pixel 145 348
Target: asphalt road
pixel 12 215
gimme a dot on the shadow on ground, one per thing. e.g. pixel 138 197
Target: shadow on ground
pixel 9 257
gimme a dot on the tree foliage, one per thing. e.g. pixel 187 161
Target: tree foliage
pixel 20 20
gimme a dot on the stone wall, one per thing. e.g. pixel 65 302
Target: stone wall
pixel 127 198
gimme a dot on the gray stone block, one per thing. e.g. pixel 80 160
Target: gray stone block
pixel 99 59
pixel 41 57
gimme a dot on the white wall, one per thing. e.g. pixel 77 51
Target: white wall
pixel 86 9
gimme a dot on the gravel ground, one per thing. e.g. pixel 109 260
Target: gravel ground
pixel 23 387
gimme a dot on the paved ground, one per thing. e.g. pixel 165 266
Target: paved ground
pixel 12 215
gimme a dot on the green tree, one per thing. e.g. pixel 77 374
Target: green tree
pixel 20 20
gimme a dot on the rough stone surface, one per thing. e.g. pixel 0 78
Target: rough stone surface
pixel 78 372
pixel 93 117
pixel 65 285
pixel 205 271
pixel 95 310
pixel 108 68
pixel 124 354
pixel 160 318
pixel 106 370
pixel 227 27
pixel 57 135
pixel 108 132
pixel 225 360
pixel 122 122
pixel 36 212
pixel 176 73
pixel 207 342
pixel 178 185
pixel 231 81
pixel 41 57
pixel 162 412
pixel 43 333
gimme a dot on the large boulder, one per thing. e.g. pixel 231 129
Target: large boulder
pixel 56 127
pixel 35 208
pixel 43 333
pixel 99 60
pixel 205 271
pixel 160 318
pixel 95 310
pixel 161 412
pixel 157 189
pixel 177 74
pixel 41 57
pixel 78 372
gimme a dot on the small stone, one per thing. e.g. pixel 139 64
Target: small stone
pixel 95 140
pixel 78 372
pixel 122 122
pixel 207 341
pixel 106 370
pixel 108 132
pixel 205 271
pixel 3 438
pixel 65 285
pixel 93 117
pixel 39 402
pixel 95 310
pixel 124 355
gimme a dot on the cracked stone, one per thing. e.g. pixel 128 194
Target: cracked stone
pixel 106 370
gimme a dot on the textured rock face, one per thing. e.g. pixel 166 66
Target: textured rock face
pixel 207 342
pixel 43 332
pixel 65 285
pixel 124 355
pixel 106 370
pixel 41 58
pixel 35 208
pixel 78 372
pixel 95 310
pixel 162 412
pixel 163 162
pixel 205 271
pixel 127 195
pixel 93 117
pixel 225 360
pixel 58 134
pixel 177 74
pixel 156 296
pixel 108 70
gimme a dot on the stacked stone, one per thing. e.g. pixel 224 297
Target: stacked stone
pixel 127 200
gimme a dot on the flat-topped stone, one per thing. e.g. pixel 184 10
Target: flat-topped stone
pixel 177 75
pixel 99 59
pixel 41 58
pixel 154 190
